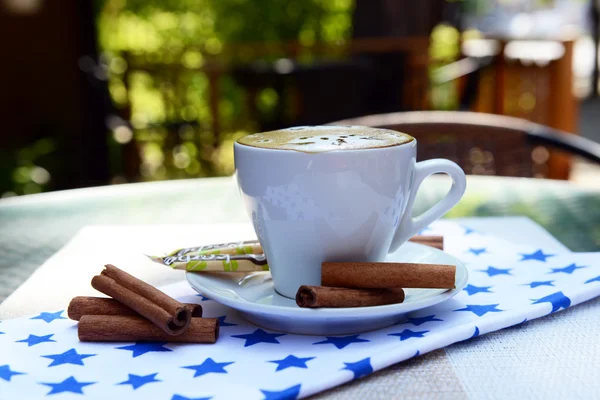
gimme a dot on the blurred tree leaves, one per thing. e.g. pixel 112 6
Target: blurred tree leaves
pixel 156 50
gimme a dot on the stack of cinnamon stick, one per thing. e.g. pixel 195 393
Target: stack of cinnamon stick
pixel 363 284
pixel 137 312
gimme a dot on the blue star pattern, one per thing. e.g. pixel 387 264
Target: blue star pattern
pixel 477 251
pixel 291 361
pixel 558 301
pixel 360 368
pixel 290 393
pixel 492 271
pixel 407 334
pixel 259 336
pixel 596 279
pixel 421 320
pixel 208 366
pixel 68 357
pixel 538 255
pixel 569 269
pixel 535 284
pixel 42 356
pixel 137 381
pixel 32 340
pixel 480 310
pixel 222 322
pixel 6 373
pixel 342 341
pixel 49 317
pixel 204 298
pixel 141 348
pixel 472 289
pixel 68 385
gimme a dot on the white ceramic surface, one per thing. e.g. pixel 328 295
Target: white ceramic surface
pixel 342 205
pixel 254 297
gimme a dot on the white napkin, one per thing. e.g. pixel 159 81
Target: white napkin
pixel 508 284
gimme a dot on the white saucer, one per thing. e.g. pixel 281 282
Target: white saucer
pixel 254 297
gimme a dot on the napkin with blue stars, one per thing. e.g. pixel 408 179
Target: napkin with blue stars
pixel 40 355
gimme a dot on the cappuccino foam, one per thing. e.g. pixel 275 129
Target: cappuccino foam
pixel 319 139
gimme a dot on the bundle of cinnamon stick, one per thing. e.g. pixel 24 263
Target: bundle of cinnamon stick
pixel 137 312
pixel 364 284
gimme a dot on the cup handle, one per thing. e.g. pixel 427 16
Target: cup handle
pixel 410 226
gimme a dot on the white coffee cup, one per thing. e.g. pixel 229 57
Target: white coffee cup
pixel 343 205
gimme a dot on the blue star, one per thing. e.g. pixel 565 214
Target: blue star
pixel 407 334
pixel 491 271
pixel 535 284
pixel 360 368
pixel 342 341
pixel 475 334
pixel 291 361
pixel 32 340
pixel 6 373
pixel 68 357
pixel 49 317
pixel 285 394
pixel 180 397
pixel 68 385
pixel 140 348
pixel 417 354
pixel 208 366
pixel 480 310
pixel 222 322
pixel 468 230
pixel 569 269
pixel 421 320
pixel 472 289
pixel 204 298
pixel 137 381
pixel 558 301
pixel 477 251
pixel 596 279
pixel 537 255
pixel 259 336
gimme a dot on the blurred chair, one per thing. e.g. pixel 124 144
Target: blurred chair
pixel 530 79
pixel 483 144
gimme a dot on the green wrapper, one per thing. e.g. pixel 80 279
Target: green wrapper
pixel 243 247
pixel 215 262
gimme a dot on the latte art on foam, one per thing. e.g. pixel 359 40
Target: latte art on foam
pixel 318 139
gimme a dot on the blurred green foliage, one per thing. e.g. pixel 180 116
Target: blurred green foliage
pixel 159 55
pixel 29 167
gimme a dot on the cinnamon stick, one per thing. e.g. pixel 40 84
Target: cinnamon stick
pixel 119 328
pixel 84 305
pixel 433 241
pixel 373 275
pixel 165 312
pixel 334 297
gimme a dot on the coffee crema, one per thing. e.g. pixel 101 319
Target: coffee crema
pixel 319 139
